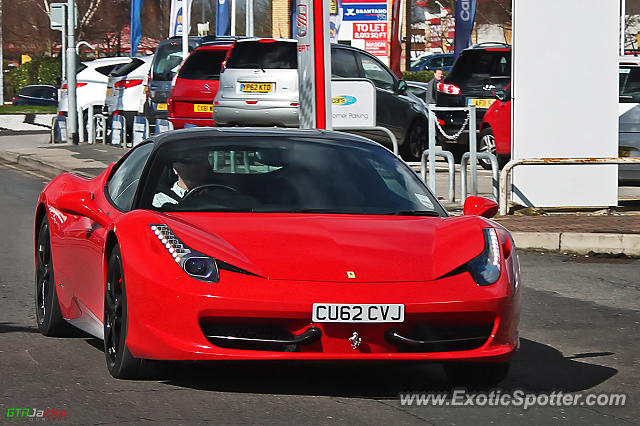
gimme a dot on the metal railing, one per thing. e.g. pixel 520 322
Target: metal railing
pixel 548 161
pixel 495 170
pixel 452 171
pixel 471 120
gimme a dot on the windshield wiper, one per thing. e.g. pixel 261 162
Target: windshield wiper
pixel 415 213
pixel 255 66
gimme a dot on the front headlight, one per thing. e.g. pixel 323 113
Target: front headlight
pixel 195 264
pixel 485 268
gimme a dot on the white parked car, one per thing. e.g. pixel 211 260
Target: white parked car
pixel 91 84
pixel 125 89
pixel 629 118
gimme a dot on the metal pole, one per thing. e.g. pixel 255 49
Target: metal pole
pixel 432 149
pixel 473 146
pixel 233 17
pixel 249 18
pixel 186 24
pixel 63 52
pixel 1 61
pixel 72 128
pixel 623 15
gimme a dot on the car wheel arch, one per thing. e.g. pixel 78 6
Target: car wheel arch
pixel 41 211
pixel 111 241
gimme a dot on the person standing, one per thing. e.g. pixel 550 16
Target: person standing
pixel 432 86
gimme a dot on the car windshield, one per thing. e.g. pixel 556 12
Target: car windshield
pixel 476 68
pixel 629 84
pixel 168 59
pixel 124 69
pixel 203 65
pixel 273 174
pixel 264 54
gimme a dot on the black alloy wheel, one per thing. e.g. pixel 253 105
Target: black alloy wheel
pixel 120 363
pixel 48 315
pixel 415 142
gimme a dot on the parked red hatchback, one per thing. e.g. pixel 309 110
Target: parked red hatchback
pixel 495 131
pixel 196 84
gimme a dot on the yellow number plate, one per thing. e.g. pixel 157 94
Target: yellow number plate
pixel 481 103
pixel 161 107
pixel 203 108
pixel 257 87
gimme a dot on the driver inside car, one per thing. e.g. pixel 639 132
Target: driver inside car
pixel 191 171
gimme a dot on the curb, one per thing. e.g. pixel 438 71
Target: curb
pixel 579 243
pixel 43 166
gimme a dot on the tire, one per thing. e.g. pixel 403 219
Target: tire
pixel 48 314
pixel 475 374
pixel 455 149
pixel 486 143
pixel 415 142
pixel 120 363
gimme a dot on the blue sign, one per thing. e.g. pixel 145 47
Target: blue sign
pixel 364 12
pixel 465 15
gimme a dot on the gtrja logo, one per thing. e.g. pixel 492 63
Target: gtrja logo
pixel 25 413
pixel 343 100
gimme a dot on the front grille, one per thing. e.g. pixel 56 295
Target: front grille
pixel 448 338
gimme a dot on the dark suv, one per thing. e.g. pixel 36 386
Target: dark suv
pixel 166 62
pixel 476 75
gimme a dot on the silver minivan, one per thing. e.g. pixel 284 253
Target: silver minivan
pixel 259 85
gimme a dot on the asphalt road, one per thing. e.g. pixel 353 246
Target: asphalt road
pixel 580 328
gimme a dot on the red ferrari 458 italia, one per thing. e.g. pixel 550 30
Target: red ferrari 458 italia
pixel 220 244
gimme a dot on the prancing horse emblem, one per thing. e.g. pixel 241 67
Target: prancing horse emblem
pixel 355 340
pixel 206 87
pixel 351 275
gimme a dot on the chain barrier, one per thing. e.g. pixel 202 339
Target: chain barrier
pixel 442 132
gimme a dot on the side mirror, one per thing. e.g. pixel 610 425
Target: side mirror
pixel 82 203
pixel 500 95
pixel 480 206
pixel 402 87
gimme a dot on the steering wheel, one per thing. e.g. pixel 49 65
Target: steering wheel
pixel 206 187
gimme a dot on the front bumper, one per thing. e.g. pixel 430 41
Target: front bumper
pixel 262 113
pixel 180 318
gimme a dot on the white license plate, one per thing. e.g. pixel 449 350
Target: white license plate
pixel 334 312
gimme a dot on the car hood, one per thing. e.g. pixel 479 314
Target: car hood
pixel 312 247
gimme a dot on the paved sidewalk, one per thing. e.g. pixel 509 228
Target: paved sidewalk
pixel 616 231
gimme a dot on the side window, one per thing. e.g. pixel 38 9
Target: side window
pixel 343 64
pixel 106 69
pixel 448 61
pixel 124 182
pixel 376 73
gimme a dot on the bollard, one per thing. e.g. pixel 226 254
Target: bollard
pixel 139 130
pixel 91 132
pixel 118 130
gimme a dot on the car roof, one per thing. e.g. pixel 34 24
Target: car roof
pixel 251 132
pixel 489 45
pixel 629 60
pixel 245 40
pixel 217 45
pixel 106 61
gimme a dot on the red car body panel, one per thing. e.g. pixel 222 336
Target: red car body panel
pixel 296 260
pixel 187 93
pixel 498 117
